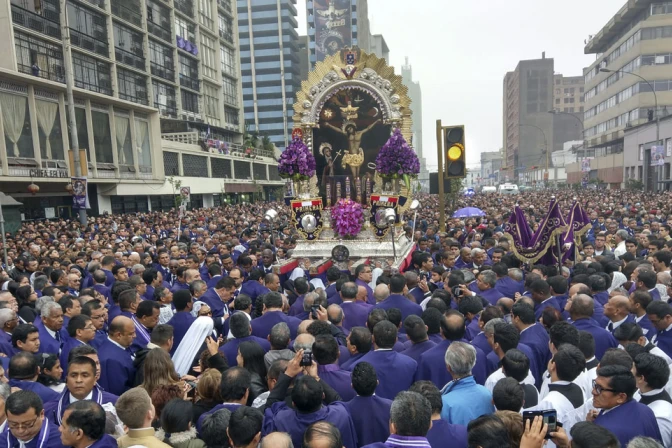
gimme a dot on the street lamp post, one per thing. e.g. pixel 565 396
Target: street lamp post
pixel 583 131
pixel 545 147
pixel 655 98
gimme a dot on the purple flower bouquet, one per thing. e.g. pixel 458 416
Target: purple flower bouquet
pixel 347 218
pixel 296 161
pixel 396 159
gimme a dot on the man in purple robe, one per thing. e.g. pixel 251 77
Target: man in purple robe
pixel 541 294
pixel 441 430
pixel 23 371
pixel 307 396
pixel 359 343
pixel 363 276
pixel 581 312
pixel 240 327
pixel 84 424
pixel 370 413
pixel 272 314
pixel 532 333
pixel 24 408
pixel 117 373
pixel 301 287
pixel 485 287
pixel 506 285
pixel 355 312
pixel 398 300
pixel 80 331
pixel 8 322
pixel 145 319
pixel 50 328
pixel 235 391
pixel 182 319
pixel 254 285
pixel 325 354
pixel 395 370
pixel 416 330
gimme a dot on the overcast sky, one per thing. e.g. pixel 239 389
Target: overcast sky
pixel 460 51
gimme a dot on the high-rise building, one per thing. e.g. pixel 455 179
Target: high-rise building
pixel 304 57
pixel 531 130
pixel 145 72
pixel 379 47
pixel 415 93
pixel 634 52
pixel 491 163
pixel 337 24
pixel 270 66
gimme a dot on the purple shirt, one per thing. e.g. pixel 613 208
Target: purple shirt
pixel 338 379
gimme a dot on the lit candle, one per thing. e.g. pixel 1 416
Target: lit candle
pixel 358 186
pixel 368 187
pixel 347 188
pixel 338 191
pixel 328 195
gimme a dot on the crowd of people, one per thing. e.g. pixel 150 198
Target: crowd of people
pixel 158 330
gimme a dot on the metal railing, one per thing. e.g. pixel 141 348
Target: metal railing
pixel 189 83
pixel 162 71
pixel 185 7
pixel 159 31
pixel 225 5
pixel 35 22
pixel 96 44
pixel 128 58
pixel 234 149
pixel 226 35
pixel 121 11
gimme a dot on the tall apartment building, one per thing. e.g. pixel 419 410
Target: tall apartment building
pixel 638 39
pixel 531 130
pixel 270 66
pixel 337 24
pixel 144 71
pixel 568 94
pixel 415 93
pixel 379 47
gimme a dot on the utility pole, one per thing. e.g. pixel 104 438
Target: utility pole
pixel 72 118
pixel 442 193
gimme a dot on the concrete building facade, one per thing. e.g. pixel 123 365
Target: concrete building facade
pixel 269 57
pixel 379 47
pixel 415 93
pixel 491 163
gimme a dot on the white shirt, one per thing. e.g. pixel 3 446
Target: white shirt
pixel 616 324
pixel 663 412
pixel 498 374
pixel 620 249
pixel 582 381
pixel 88 397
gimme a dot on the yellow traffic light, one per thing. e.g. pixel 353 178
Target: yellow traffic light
pixel 456 164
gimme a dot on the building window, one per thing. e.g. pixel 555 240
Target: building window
pixel 101 137
pixel 189 101
pixel 188 72
pixel 49 129
pixel 226 29
pixel 91 74
pixel 88 30
pixel 38 58
pixel 232 116
pixel 128 47
pixel 158 21
pixel 123 137
pixel 165 99
pixel 230 91
pixel 205 14
pixel 82 131
pixel 16 122
pixel 661 8
pixel 208 57
pixel 128 10
pixel 132 87
pixel 557 101
pixel 42 16
pixel 142 145
pixel 162 62
pixel 184 29
pixel 186 7
pixel 228 61
pixel 211 103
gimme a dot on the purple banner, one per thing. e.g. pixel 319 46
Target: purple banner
pixel 79 192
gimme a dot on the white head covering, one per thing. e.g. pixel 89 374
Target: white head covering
pixel 296 273
pixel 317 283
pixel 191 343
pixel 196 308
pixel 377 272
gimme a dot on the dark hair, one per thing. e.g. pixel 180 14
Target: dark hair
pixel 214 427
pixel 360 338
pixel 432 393
pixel 45 361
pixel 385 334
pixel 648 278
pixel 488 431
pixel 659 309
pixel 569 362
pixel 325 349
pixel 235 383
pixel 88 416
pixel 453 325
pixel 77 322
pixel 415 328
pixel 643 298
pixel 397 284
pixel 653 368
pixel 181 298
pixel 394 316
pixel 590 435
pixel 364 379
pixel 621 379
pixel 21 401
pixel 21 332
pixel 253 358
pixel 307 394
pixel 564 333
pixel 82 360
pixel 245 423
pixel 558 283
pixel 508 395
pixel 376 315
pixel 587 344
pixel 432 318
pixel 146 308
pixel 540 286
pixel 524 312
pixel 616 357
pixel 470 304
pixel 516 365
pixel 272 300
pixel 23 366
pixel 239 325
pixel 506 336
pixel 150 275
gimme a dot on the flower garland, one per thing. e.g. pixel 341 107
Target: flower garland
pixel 347 218
pixel 296 161
pixel 396 159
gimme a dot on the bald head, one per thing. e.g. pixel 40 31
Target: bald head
pixel 381 292
pixel 582 306
pixel 303 327
pixel 578 288
pixel 617 308
pixel 362 294
pixel 664 278
pixel 277 440
pixel 335 314
pixel 304 341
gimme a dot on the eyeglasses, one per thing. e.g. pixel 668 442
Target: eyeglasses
pixel 26 425
pixel 599 389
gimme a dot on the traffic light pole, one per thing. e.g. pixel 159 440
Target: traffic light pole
pixel 442 193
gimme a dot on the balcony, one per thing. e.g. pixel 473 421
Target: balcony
pixel 185 7
pixel 225 5
pixel 46 24
pixel 167 110
pixel 98 3
pixel 128 58
pixel 54 72
pixel 96 44
pixel 159 31
pixel 162 72
pixel 226 35
pixel 127 14
pixel 189 83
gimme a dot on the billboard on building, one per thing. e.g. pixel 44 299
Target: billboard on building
pixel 333 27
pixel 657 155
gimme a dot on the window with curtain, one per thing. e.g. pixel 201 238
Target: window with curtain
pixel 101 136
pixel 82 131
pixel 16 121
pixel 208 56
pixel 142 146
pixel 124 146
pixel 49 124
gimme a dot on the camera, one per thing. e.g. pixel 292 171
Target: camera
pixel 457 291
pixel 307 358
pixel 550 417
pixel 313 311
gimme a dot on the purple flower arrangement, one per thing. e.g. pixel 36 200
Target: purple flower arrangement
pixel 396 159
pixel 296 161
pixel 347 218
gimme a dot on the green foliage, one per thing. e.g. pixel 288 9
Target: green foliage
pixel 176 184
pixel 634 184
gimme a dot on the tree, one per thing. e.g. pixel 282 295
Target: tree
pixel 634 184
pixel 176 184
pixel 266 143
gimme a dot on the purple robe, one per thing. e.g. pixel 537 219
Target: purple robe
pixel 338 379
pixel 181 321
pixel 371 417
pixel 55 409
pixel 539 308
pixel 508 287
pixel 47 342
pixel 395 371
pixel 45 393
pixel 104 291
pixel 432 366
pixel 230 348
pixel 117 372
pixel 6 344
pixel 400 302
pixel 441 431
pixel 536 337
pixel 297 307
pixel 602 297
pixel 281 418
pixel 472 329
pixel 107 441
pixel 253 289
pixel 630 420
pixel 68 345
pixel 355 314
pixel 369 292
pixel 348 365
pixel 664 341
pixel 603 338
pixel 414 351
pixel 417 294
pixel 481 341
pixel 215 303
pixel 48 437
pixel 262 325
